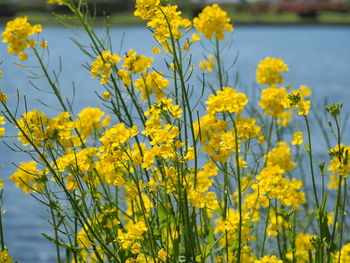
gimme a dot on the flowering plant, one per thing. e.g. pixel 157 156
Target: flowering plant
pixel 150 179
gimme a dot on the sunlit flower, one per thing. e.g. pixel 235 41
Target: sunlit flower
pixel 17 34
pixel 213 21
pixel 269 71
pixel 298 138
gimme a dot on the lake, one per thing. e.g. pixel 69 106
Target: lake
pixel 318 56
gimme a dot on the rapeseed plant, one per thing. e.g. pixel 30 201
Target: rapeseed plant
pixel 155 180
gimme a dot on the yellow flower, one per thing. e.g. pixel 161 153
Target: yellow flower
pixel 280 156
pixel 202 199
pixel 0 74
pixel 303 247
pixel 44 44
pixel 90 120
pixel 268 259
pixel 296 100
pixel 136 63
pixel 305 91
pixel 146 9
pixel 247 128
pixel 102 66
pixel 28 177
pixel 167 23
pixel 17 34
pixel 212 21
pixel 34 125
pixel 195 38
pixel 116 136
pixel 59 2
pixel 23 56
pixel 207 126
pixel 155 50
pixel 242 163
pixel 342 256
pixel 208 64
pixel 226 100
pixel 2 122
pixel 106 95
pixel 125 77
pixel 273 101
pixel 162 255
pixel 4 256
pixel 261 139
pixel 134 232
pixel 152 83
pixel 298 138
pixel 340 163
pixel 269 71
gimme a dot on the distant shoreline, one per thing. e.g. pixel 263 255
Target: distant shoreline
pixel 242 19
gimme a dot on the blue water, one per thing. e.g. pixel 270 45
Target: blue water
pixel 317 56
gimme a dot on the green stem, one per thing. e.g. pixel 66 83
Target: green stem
pixel 219 63
pixel 311 161
pixel 239 195
pixel 265 229
pixel 56 234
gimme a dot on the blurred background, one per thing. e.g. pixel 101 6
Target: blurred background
pixel 241 11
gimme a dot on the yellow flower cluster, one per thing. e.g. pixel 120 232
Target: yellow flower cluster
pixel 342 256
pixel 230 225
pixel 17 34
pixel 90 120
pixel 272 184
pixel 59 2
pixel 268 259
pixel 168 24
pixel 303 246
pixel 32 124
pixel 136 63
pixel 226 100
pixel 298 138
pixel 296 100
pixel 151 83
pixel 28 177
pixel 125 77
pixel 280 156
pixel 198 195
pixel 3 97
pixel 146 9
pixel 273 101
pixel 276 101
pixel 2 122
pixel 247 128
pixel 269 71
pixel 207 126
pixel 114 137
pixel 42 130
pixel 221 145
pixel 165 20
pixel 213 21
pixel 102 66
pixel 340 164
pixel 134 233
pixel 4 256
